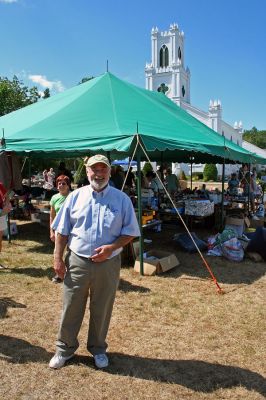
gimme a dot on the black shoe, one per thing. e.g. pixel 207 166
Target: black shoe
pixel 56 279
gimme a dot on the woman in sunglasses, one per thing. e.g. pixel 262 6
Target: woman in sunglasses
pixel 56 202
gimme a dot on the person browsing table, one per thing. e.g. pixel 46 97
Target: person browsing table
pixel 95 222
pixel 5 208
pixel 56 202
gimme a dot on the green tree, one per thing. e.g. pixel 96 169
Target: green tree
pixel 86 79
pixel 81 171
pixel 255 137
pixel 46 93
pixel 210 172
pixel 14 95
pixel 147 167
pixel 182 175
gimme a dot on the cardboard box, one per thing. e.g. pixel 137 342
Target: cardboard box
pixel 146 218
pixel 156 262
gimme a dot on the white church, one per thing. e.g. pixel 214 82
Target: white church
pixel 167 72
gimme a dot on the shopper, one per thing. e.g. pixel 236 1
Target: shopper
pixel 5 207
pixel 56 202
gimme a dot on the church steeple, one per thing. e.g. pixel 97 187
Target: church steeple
pixel 166 69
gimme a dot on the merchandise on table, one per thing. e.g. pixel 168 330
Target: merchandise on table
pixel 199 208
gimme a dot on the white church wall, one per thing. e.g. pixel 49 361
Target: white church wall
pixel 199 114
pixel 235 135
pixel 177 81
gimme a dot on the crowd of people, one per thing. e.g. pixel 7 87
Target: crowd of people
pixel 245 182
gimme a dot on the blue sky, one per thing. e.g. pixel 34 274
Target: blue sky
pixel 57 42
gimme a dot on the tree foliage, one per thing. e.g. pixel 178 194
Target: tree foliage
pixel 210 172
pixel 147 167
pixel 46 93
pixel 256 137
pixel 86 79
pixel 182 175
pixel 14 95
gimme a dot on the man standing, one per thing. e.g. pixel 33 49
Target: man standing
pixel 95 222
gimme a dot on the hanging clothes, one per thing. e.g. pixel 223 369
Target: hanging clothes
pixel 10 170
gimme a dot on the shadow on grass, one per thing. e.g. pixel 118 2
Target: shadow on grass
pixel 35 232
pixel 126 286
pixel 199 376
pixel 34 272
pixel 32 231
pixel 19 351
pixel 6 302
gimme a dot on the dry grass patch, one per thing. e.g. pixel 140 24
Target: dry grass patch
pixel 171 337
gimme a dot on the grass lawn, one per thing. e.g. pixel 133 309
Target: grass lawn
pixel 171 336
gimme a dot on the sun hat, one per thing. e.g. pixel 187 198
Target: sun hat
pixel 98 158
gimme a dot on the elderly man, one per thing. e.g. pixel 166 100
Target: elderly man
pixel 95 222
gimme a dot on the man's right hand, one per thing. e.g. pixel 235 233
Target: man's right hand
pixel 59 267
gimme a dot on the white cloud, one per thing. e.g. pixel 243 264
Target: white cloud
pixel 45 83
pixel 8 1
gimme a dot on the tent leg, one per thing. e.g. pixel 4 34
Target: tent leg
pixel 249 182
pixel 8 229
pixel 29 171
pixel 139 209
pixel 222 204
pixel 191 175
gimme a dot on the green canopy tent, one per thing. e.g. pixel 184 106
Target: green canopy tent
pixel 109 115
pixel 104 115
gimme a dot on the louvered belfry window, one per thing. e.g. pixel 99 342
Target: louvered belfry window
pixel 164 56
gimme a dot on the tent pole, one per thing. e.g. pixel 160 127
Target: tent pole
pixel 249 182
pixel 222 204
pixel 139 209
pixel 29 171
pixel 191 174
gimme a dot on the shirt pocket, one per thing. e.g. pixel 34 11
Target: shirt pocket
pixel 112 219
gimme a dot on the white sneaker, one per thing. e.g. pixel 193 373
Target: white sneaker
pixel 59 361
pixel 101 360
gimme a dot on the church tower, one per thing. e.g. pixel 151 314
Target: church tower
pixel 167 72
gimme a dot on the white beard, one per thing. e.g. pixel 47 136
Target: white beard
pixel 99 184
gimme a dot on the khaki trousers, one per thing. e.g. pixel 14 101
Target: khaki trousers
pixel 86 279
